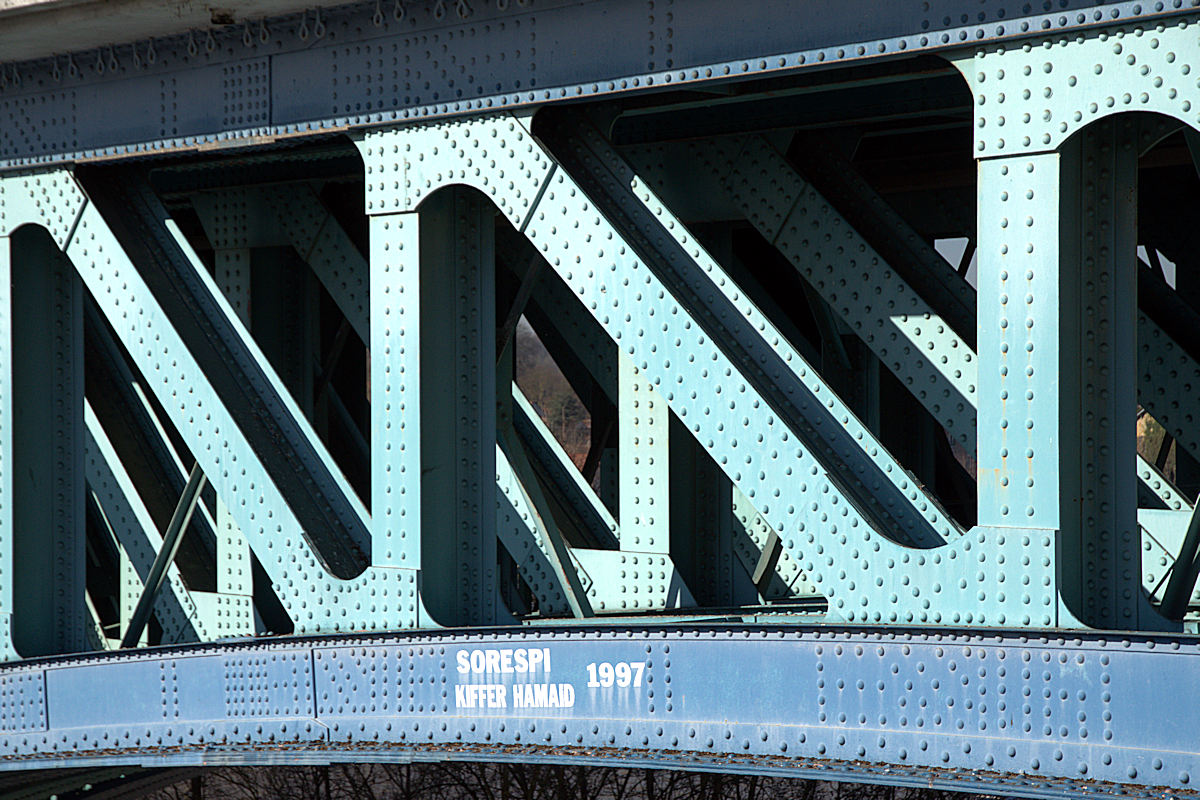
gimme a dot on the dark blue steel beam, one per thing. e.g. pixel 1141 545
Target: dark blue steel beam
pixel 292 76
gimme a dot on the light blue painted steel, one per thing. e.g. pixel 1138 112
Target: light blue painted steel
pixel 525 519
pixel 620 580
pixel 909 336
pixel 582 338
pixel 36 192
pixel 322 243
pixel 1159 487
pixel 533 511
pixel 395 500
pixel 228 611
pixel 313 598
pixel 1021 183
pixel 644 463
pixel 23 702
pixel 588 359
pixel 749 539
pixel 230 217
pixel 1056 545
pixel 1045 716
pixel 902 328
pixel 231 274
pixel 1032 98
pixel 1162 539
pixel 537 438
pixel 1098 301
pixel 662 587
pixel 49 199
pixel 625 582
pixel 763 459
pixel 522 532
pixel 666 592
pixel 1167 383
pixel 138 539
pixel 235 222
pixel 884 489
pixel 395 373
pixel 164 559
pixel 704 524
pixel 292 215
pixel 670 224
pixel 223 221
pixel 305 450
pixel 1019 389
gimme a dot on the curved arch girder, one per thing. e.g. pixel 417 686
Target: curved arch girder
pixel 1042 717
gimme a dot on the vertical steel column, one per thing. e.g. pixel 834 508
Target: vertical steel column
pixel 131 589
pixel 1098 377
pixel 458 407
pixel 1057 388
pixel 644 463
pixel 1020 343
pixel 7 533
pixel 1021 419
pixel 48 437
pixel 227 231
pixel 131 586
pixel 395 388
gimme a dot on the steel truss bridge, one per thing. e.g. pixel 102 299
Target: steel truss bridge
pixel 735 386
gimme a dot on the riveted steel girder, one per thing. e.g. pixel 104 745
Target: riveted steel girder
pixel 738 479
pixel 759 454
pixel 1043 716
pixel 299 576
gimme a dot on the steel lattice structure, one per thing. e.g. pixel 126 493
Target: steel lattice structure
pixel 734 386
